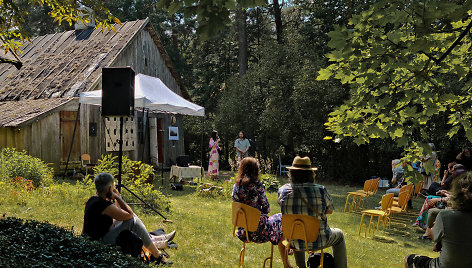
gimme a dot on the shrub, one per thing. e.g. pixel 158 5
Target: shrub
pixel 31 243
pixel 270 182
pixel 14 164
pixel 135 176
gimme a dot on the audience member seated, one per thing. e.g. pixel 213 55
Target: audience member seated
pixel 397 178
pixel 107 215
pixel 303 196
pixel 451 231
pixel 452 172
pixel 439 201
pixel 250 191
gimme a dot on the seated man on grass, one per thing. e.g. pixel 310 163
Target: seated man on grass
pixel 107 215
pixel 451 231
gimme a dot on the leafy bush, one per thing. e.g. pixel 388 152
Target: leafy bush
pixel 31 243
pixel 136 177
pixel 270 182
pixel 15 164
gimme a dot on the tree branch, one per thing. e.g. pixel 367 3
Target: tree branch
pixel 458 40
pixel 18 64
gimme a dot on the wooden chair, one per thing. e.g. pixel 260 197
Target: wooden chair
pixel 361 194
pixel 248 218
pixel 382 214
pixel 302 227
pixel 86 162
pixel 282 168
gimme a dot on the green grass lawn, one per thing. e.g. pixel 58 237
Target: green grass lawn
pixel 204 229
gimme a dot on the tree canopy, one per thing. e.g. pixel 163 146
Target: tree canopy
pixel 407 64
pixel 13 15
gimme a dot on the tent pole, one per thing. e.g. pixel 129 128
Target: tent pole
pixel 201 144
pixel 145 130
pixel 72 142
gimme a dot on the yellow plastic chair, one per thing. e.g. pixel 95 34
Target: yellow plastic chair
pixel 86 162
pixel 302 227
pixel 361 194
pixel 382 214
pixel 248 218
pixel 410 188
pixel 418 188
pixel 403 198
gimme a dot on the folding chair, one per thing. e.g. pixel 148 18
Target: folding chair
pixel 248 218
pixel 361 194
pixel 409 187
pixel 302 227
pixel 382 214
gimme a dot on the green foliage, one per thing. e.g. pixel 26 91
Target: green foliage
pixel 407 66
pixel 270 182
pixel 15 164
pixel 135 176
pixel 28 242
pixel 13 15
pixel 212 16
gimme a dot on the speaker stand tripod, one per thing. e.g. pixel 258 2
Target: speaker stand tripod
pixel 120 164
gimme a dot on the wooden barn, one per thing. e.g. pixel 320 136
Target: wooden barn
pixel 39 103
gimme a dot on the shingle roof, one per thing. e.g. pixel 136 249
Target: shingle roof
pixel 15 113
pixel 62 65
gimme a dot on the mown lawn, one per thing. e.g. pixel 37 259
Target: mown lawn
pixel 204 229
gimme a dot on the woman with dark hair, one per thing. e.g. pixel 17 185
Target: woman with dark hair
pixel 213 163
pixel 303 196
pixel 450 230
pixel 250 191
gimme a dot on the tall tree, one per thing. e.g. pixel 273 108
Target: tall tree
pixel 399 59
pixel 240 22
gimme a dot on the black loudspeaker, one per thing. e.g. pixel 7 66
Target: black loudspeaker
pixel 117 91
pixel 183 160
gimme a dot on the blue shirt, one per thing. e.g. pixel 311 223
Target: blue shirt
pixel 318 197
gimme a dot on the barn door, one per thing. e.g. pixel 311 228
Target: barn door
pixel 67 130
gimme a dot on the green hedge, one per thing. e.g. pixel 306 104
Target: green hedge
pixel 36 244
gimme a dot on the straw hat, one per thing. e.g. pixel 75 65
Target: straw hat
pixel 301 163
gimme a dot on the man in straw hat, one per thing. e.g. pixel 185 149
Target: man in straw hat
pixel 303 196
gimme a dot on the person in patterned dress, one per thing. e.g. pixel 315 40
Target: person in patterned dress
pixel 250 191
pixel 213 163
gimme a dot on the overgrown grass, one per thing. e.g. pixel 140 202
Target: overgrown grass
pixel 204 229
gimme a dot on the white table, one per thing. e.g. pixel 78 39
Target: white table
pixel 186 172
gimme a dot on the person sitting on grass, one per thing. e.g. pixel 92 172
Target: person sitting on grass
pixel 250 191
pixel 451 231
pixel 303 196
pixel 107 215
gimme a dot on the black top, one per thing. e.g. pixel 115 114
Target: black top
pixel 96 224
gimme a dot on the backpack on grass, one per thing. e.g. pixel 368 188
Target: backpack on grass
pixel 314 260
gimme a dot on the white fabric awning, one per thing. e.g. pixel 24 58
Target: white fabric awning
pixel 151 93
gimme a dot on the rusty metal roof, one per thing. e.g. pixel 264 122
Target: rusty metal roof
pixel 62 65
pixel 17 113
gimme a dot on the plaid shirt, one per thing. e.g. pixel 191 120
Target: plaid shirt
pixel 318 197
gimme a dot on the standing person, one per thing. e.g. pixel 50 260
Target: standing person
pixel 465 158
pixel 451 231
pixel 242 147
pixel 428 176
pixel 303 196
pixel 250 191
pixel 214 162
pixel 107 215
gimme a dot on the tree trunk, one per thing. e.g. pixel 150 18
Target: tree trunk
pixel 278 20
pixel 175 42
pixel 242 40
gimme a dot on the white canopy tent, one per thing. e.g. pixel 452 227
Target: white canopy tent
pixel 151 93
